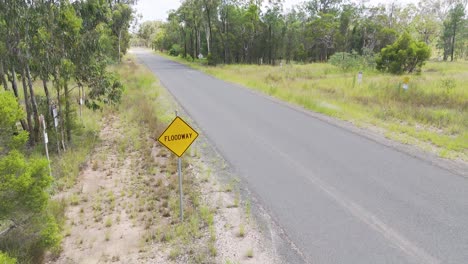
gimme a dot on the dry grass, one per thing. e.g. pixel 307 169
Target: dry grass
pixel 432 113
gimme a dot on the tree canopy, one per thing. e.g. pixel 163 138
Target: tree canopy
pixel 246 31
pixel 63 48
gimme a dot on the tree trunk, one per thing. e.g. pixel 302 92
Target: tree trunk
pixel 67 112
pixel 120 37
pixel 208 41
pixel 14 84
pixel 28 108
pixel 2 76
pixel 453 41
pixel 46 91
pixel 60 117
pixel 209 27
pixel 34 105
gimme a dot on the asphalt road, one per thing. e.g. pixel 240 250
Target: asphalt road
pixel 340 197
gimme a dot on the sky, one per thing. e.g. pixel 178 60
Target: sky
pixel 158 9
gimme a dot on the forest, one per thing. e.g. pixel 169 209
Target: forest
pixel 264 32
pixel 54 58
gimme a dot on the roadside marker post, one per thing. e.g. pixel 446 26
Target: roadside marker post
pixel 178 137
pixel 406 83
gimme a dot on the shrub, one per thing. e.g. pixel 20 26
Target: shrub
pixel 405 55
pixel 211 59
pixel 5 259
pixel 175 50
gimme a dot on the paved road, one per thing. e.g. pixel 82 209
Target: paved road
pixel 340 197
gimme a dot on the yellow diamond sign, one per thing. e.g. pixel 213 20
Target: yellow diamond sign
pixel 178 136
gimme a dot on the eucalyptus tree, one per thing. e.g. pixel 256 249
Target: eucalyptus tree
pixel 452 25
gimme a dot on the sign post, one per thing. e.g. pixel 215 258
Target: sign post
pixel 178 137
pixel 406 83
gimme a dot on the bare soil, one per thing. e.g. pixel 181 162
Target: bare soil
pixel 122 210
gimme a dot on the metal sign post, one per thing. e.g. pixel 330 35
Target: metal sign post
pixel 179 171
pixel 178 137
pixel 181 202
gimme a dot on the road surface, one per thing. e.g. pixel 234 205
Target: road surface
pixel 338 196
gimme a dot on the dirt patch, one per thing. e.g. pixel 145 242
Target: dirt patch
pixel 124 209
pixel 102 221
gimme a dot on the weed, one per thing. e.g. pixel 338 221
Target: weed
pixel 213 250
pixel 241 230
pixel 108 222
pixel 206 215
pixel 248 209
pixel 95 165
pixel 74 200
pixel 107 235
pixel 249 253
pixel 67 231
pixel 174 253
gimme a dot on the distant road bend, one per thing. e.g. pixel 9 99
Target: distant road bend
pixel 340 197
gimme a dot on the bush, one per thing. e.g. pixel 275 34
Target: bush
pixel 175 50
pixel 211 59
pixel 5 259
pixel 405 55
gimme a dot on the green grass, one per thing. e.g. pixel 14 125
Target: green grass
pixel 432 114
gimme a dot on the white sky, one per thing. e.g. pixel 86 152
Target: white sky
pixel 158 9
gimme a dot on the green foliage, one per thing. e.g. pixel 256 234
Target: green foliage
pixel 23 189
pixel 11 112
pixel 50 234
pixel 189 57
pixel 175 50
pixel 405 55
pixel 107 89
pixel 352 61
pixel 211 59
pixel 453 28
pixel 5 259
pixel 24 196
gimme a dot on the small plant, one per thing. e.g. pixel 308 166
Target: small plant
pixel 174 253
pixel 206 215
pixel 213 250
pixel 212 234
pixel 74 199
pixel 249 253
pixel 95 165
pixel 448 85
pixel 241 230
pixel 108 222
pixel 236 200
pixel 107 235
pixel 248 209
pixel 67 231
